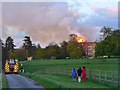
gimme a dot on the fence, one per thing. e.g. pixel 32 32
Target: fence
pixel 101 76
pixel 106 77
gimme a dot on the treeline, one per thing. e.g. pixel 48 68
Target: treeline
pixel 109 43
pixel 70 49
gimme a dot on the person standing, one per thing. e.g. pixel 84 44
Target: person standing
pixel 84 74
pixel 22 68
pixel 79 72
pixel 74 75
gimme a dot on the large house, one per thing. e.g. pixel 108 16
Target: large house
pixel 89 48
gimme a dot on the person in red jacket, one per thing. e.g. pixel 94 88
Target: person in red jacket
pixel 84 74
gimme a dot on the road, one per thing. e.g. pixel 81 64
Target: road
pixel 21 82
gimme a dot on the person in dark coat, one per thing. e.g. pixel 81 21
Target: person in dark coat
pixel 74 74
pixel 22 68
pixel 84 74
pixel 79 72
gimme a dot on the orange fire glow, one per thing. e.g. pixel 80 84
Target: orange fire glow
pixel 80 38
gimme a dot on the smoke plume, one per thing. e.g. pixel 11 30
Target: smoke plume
pixel 44 22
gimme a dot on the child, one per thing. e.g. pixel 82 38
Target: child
pixel 74 75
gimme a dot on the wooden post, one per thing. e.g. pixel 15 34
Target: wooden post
pixel 57 71
pixel 89 73
pixel 113 78
pixel 99 76
pixel 105 77
pixel 64 71
pixel 70 72
pixel 67 71
pixel 94 75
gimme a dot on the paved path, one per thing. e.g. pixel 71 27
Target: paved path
pixel 21 82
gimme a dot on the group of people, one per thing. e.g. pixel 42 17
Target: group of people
pixel 79 75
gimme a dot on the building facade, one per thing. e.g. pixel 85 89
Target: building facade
pixel 89 48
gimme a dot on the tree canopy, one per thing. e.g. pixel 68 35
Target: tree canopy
pixel 75 49
pixel 9 44
pixel 110 44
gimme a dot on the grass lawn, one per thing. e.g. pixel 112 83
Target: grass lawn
pixel 62 81
pixel 96 64
pixel 55 80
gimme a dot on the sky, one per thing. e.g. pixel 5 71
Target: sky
pixel 54 21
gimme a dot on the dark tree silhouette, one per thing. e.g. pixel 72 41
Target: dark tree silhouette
pixel 38 46
pixel 63 50
pixel 105 31
pixel 9 44
pixel 27 45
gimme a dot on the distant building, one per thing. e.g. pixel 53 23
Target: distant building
pixel 89 48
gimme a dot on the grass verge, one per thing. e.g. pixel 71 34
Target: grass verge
pixel 61 81
pixel 4 81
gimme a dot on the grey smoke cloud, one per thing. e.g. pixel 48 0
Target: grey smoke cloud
pixel 44 22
